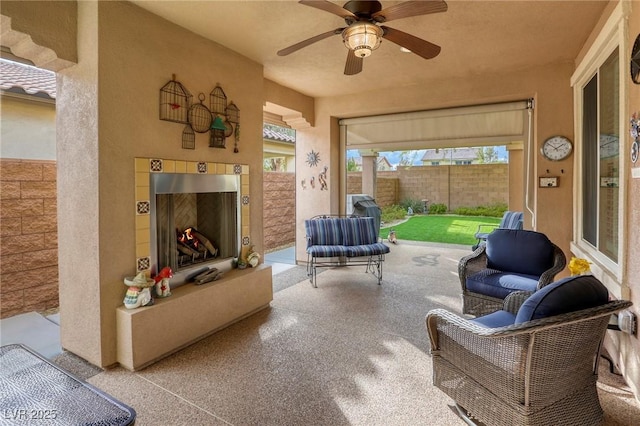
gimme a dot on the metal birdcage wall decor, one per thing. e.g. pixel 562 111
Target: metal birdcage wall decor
pixel 188 138
pixel 218 101
pixel 218 139
pixel 175 101
pixel 199 116
pixel 233 113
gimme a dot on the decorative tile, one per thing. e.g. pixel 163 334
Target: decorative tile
pixel 155 165
pixel 245 200
pixel 143 263
pixel 202 167
pixel 142 165
pixel 245 241
pixel 143 207
pixel 169 166
pixel 192 167
pixel 181 166
pixel 237 169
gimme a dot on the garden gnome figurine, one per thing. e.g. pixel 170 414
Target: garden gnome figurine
pixel 138 293
pixel 162 282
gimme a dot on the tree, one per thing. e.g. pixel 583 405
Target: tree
pixel 352 165
pixel 274 164
pixel 487 154
pixel 408 158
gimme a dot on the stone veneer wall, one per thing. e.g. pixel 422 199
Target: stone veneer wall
pixel 28 237
pixel 279 210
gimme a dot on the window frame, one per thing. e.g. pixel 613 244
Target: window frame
pixel 612 36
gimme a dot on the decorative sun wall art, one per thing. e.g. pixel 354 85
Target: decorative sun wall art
pixel 313 158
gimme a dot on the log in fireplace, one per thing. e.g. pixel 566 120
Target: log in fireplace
pixel 195 223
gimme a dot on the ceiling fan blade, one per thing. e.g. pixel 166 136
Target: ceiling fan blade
pixel 417 45
pixel 408 9
pixel 288 50
pixel 330 7
pixel 354 64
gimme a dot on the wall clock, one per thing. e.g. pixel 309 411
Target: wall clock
pixel 556 148
pixel 634 66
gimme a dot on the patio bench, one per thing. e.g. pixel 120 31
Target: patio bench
pixel 343 241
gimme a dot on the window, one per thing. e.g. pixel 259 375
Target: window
pixel 601 158
pixel 599 108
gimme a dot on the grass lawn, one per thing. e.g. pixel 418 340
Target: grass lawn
pixel 450 229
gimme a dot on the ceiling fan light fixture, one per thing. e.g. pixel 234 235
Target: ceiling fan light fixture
pixel 362 38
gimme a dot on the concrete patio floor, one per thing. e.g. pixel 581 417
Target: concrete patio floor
pixel 349 352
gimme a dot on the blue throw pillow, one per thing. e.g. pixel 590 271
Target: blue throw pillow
pixel 566 295
pixel 519 251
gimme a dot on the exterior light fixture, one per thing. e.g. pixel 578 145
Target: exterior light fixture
pixel 362 38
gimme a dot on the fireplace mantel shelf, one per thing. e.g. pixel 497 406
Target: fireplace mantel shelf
pixel 191 313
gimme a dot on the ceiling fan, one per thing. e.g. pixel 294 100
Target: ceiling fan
pixel 364 31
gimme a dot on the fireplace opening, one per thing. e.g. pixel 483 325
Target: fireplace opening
pixel 195 223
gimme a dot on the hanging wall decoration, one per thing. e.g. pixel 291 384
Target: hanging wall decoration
pixel 322 178
pixel 635 137
pixel 237 138
pixel 218 101
pixel 313 158
pixel 188 138
pixel 175 101
pixel 200 116
pixel 217 139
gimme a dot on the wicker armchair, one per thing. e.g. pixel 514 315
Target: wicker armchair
pixel 537 372
pixel 512 260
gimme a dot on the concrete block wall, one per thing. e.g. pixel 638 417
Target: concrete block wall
pixel 386 187
pixel 456 186
pixel 28 236
pixel 279 211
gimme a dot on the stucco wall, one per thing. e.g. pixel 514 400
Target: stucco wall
pixel 52 42
pixel 28 129
pixel 106 118
pixel 548 85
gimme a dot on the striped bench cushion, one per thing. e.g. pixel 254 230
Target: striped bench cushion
pixel 323 232
pixel 359 231
pixel 367 250
pixel 327 251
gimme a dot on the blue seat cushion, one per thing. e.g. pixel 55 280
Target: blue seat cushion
pixel 495 319
pixel 322 232
pixel 367 250
pixel 327 251
pixel 500 284
pixel 519 251
pixel 566 295
pixel 358 231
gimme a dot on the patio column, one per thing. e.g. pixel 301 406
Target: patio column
pixel 369 172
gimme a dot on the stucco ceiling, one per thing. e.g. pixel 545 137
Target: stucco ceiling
pixel 476 37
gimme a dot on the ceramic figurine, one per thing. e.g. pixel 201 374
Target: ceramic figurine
pixel 138 293
pixel 253 258
pixel 161 280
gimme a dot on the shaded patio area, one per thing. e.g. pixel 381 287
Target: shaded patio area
pixel 348 352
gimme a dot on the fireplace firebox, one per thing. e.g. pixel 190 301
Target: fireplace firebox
pixel 195 222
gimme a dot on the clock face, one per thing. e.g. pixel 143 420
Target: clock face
pixel 556 148
pixel 635 62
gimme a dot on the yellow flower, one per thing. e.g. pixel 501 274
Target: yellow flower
pixel 579 266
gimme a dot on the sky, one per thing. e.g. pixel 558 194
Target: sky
pixel 394 156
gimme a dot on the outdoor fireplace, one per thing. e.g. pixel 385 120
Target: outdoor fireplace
pixel 195 222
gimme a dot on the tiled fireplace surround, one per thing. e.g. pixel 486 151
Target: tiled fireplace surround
pixel 191 312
